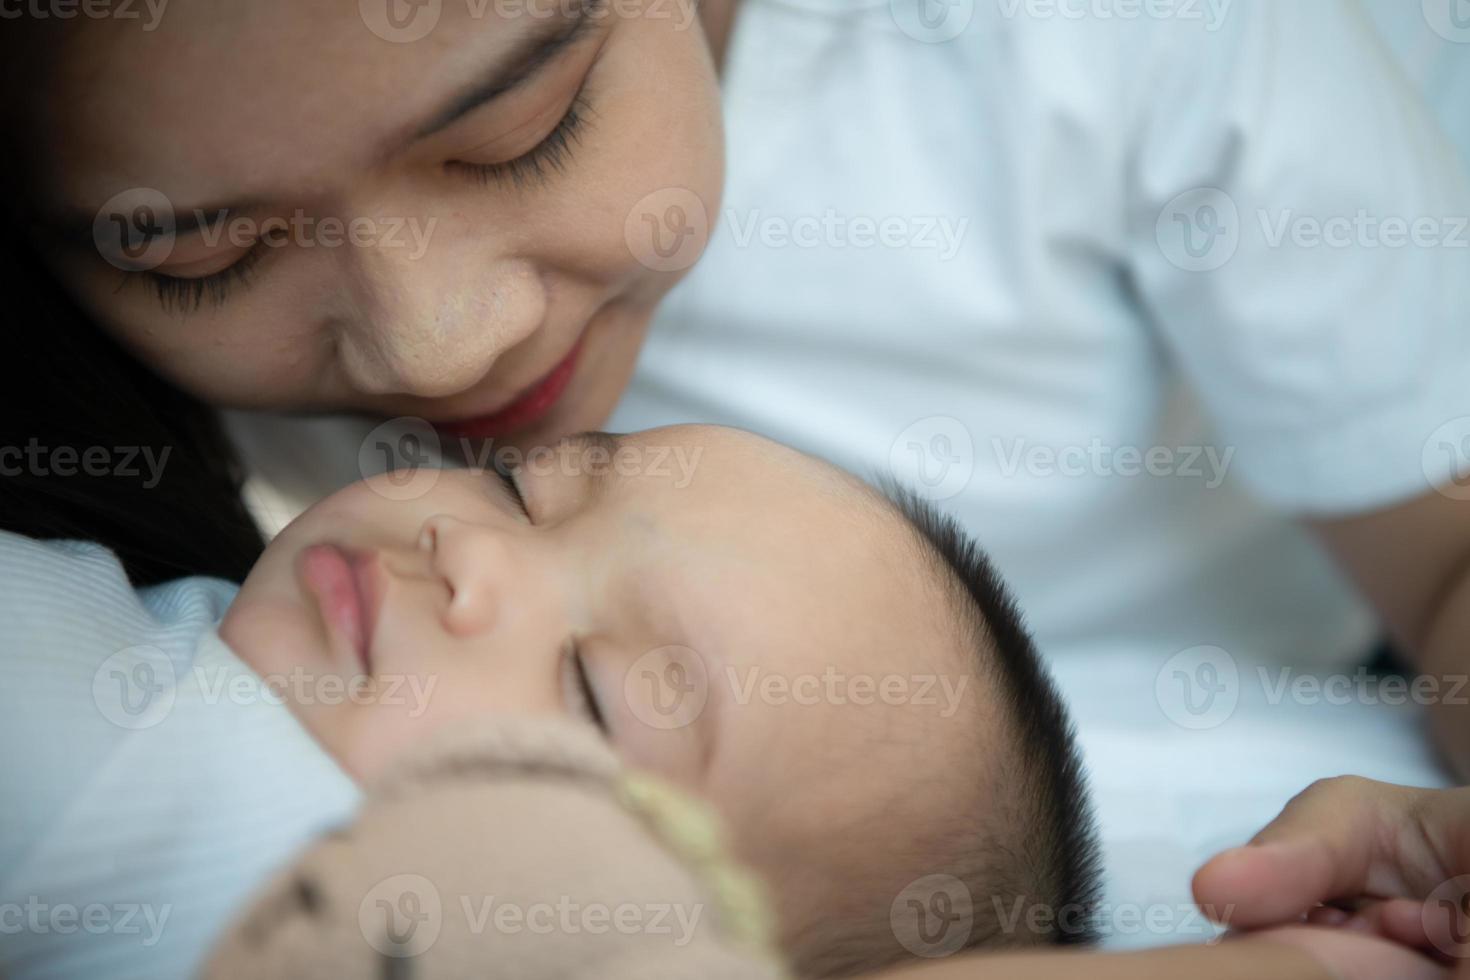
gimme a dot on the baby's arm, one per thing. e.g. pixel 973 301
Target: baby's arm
pixel 508 848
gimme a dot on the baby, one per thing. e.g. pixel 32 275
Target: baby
pixel 838 672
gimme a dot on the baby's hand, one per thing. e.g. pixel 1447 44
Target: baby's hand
pixel 1360 855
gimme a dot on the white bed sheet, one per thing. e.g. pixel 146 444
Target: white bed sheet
pixel 1168 796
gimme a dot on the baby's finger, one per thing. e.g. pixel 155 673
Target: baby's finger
pixel 1326 845
pixel 1399 920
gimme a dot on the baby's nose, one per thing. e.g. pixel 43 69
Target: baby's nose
pixel 475 563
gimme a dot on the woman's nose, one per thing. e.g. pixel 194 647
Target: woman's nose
pixel 433 325
pixel 475 562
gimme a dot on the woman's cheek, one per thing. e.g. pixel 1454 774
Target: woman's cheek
pixel 652 157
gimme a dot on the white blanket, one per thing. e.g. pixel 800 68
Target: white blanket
pixel 1175 782
pixel 148 784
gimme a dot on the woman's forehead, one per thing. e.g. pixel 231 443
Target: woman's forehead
pixel 224 100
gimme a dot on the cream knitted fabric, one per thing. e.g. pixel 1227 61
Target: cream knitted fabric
pixel 508 849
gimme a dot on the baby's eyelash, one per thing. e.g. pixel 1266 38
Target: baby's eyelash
pixel 588 692
pixel 507 477
pixel 551 156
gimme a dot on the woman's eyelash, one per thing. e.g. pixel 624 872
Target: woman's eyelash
pixel 536 165
pixel 187 295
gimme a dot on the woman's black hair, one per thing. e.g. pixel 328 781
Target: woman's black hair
pixel 79 415
pixel 80 419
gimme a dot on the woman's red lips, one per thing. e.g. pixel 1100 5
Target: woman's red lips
pixel 345 587
pixel 530 406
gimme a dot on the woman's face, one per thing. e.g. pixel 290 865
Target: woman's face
pixel 432 208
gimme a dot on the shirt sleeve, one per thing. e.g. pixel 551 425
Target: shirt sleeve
pixel 1299 233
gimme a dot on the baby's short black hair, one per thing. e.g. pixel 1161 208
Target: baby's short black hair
pixel 1027 860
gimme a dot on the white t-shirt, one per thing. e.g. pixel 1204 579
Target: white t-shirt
pixel 1063 334
pixel 1077 278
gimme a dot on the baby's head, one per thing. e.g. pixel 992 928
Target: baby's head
pixel 837 670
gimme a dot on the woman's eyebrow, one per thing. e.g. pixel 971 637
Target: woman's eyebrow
pixel 534 52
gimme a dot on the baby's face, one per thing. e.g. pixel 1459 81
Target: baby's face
pixel 740 618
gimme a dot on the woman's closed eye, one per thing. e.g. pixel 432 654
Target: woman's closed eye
pixel 186 294
pixel 551 155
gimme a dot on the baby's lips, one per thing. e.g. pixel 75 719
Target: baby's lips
pixel 330 577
